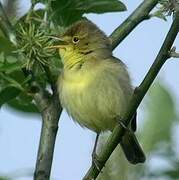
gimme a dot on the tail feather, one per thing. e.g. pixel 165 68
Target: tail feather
pixel 132 148
pixel 134 122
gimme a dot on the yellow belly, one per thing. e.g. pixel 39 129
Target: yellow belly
pixel 92 98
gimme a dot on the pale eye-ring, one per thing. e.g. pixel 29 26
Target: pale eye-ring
pixel 75 40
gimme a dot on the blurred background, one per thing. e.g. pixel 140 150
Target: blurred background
pixel 158 116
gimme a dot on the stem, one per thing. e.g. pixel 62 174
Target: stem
pixel 141 13
pixel 136 99
pixel 174 54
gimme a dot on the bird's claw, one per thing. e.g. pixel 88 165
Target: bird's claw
pixel 121 123
pixel 96 161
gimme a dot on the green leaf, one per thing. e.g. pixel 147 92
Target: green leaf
pixel 7 94
pixel 160 113
pixel 37 17
pixel 11 81
pixel 23 103
pixel 9 67
pixel 4 178
pixel 11 59
pixel 18 76
pixel 5 45
pixel 160 15
pixel 2 58
pixel 9 64
pixel 102 6
pixel 173 174
pixel 65 12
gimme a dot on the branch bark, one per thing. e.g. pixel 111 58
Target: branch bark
pixel 173 53
pixel 136 99
pixel 140 14
pixel 50 116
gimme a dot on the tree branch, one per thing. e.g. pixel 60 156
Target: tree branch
pixel 141 13
pixel 50 78
pixel 50 116
pixel 173 53
pixel 50 109
pixel 136 99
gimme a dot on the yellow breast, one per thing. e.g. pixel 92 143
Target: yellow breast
pixel 94 96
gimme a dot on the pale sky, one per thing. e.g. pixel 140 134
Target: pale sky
pixel 19 133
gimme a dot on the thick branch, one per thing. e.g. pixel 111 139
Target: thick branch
pixel 50 116
pixel 140 14
pixel 136 99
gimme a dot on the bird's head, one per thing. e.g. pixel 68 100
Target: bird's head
pixel 82 40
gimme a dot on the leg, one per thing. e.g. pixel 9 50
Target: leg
pixel 95 146
pixel 95 159
pixel 122 124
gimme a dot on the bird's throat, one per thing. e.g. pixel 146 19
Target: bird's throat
pixel 72 60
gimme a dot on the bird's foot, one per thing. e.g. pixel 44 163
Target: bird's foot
pixel 96 161
pixel 121 123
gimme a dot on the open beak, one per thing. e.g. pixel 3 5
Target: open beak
pixel 61 44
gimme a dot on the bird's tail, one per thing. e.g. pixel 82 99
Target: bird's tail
pixel 132 148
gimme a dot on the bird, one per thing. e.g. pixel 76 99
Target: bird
pixel 94 86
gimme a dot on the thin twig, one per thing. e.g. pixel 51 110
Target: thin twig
pixel 136 99
pixel 174 54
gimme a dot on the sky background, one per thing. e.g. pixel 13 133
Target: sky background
pixel 19 133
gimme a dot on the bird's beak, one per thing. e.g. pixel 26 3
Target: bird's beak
pixel 61 44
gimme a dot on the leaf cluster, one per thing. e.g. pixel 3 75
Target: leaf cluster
pixel 166 8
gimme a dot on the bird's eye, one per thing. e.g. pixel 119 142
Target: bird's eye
pixel 75 40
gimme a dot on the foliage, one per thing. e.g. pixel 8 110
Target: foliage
pixel 75 9
pixel 166 8
pixel 159 97
pixel 4 178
